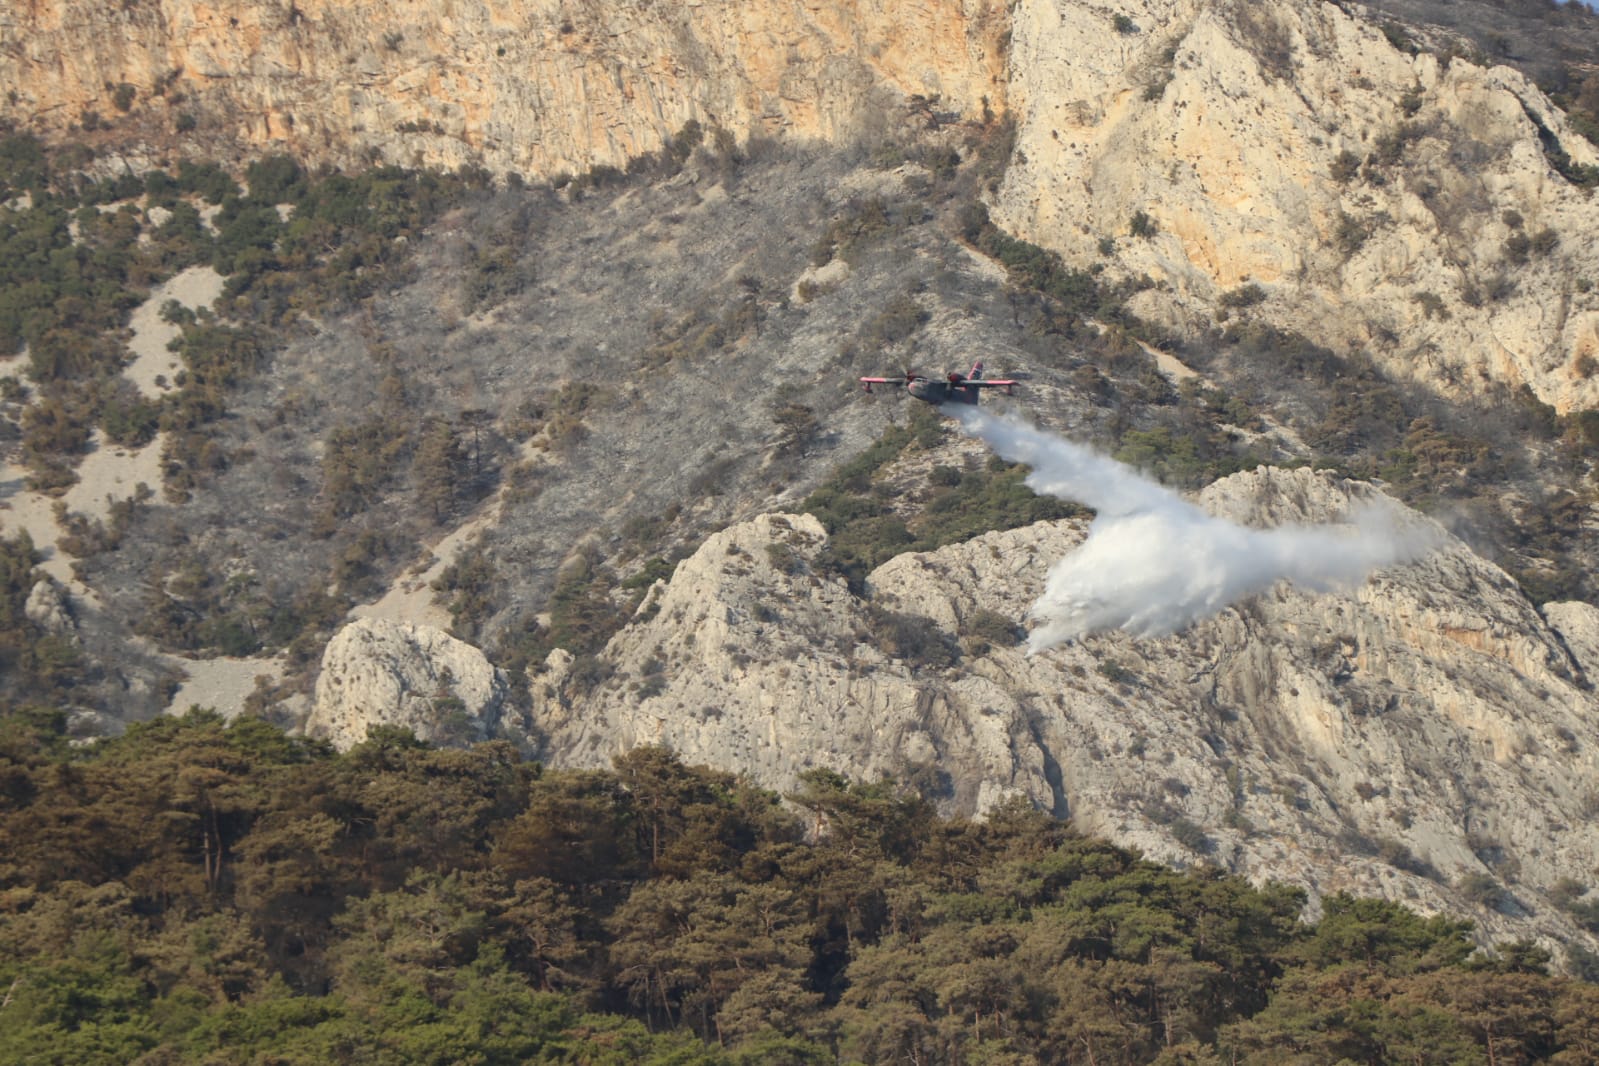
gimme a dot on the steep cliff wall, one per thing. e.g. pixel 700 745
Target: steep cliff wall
pixel 537 86
pixel 1379 199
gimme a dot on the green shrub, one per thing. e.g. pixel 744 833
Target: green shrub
pixel 1483 890
pixel 985 629
pixel 1400 37
pixel 359 461
pixel 1518 246
pixel 862 222
pixel 1389 148
pixel 912 637
pixel 130 421
pixel 1243 296
pixel 1268 39
pixel 582 614
pixel 1345 167
pixel 1115 672
pixel 1190 835
pixel 783 558
pixel 1432 305
pixel 494 274
pixel 206 180
pixel 1350 233
pixel 901 317
pixel 863 533
pixel 24 165
pixel 473 589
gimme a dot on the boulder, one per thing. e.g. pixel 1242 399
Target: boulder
pixel 377 672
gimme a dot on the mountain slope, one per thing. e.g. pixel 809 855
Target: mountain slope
pixel 1290 158
pixel 1384 191
pixel 1427 737
pixel 563 388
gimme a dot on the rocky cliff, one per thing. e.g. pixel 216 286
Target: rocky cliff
pixel 538 86
pixel 1379 197
pixel 1429 737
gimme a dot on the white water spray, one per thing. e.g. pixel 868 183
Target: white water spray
pixel 1154 563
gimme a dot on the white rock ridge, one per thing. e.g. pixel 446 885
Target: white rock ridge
pixel 1398 740
pixel 377 672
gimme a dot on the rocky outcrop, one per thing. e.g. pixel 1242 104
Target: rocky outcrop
pixel 1427 737
pixel 1379 199
pixel 537 86
pixel 47 608
pixel 376 672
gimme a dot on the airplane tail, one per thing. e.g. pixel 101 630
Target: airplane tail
pixel 977 371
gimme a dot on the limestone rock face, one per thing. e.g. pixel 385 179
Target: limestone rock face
pixel 534 86
pixel 377 672
pixel 1426 727
pixel 1578 625
pixel 1380 200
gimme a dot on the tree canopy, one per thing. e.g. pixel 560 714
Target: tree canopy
pixel 199 890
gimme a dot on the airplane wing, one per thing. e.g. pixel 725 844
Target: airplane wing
pixel 989 383
pixel 883 381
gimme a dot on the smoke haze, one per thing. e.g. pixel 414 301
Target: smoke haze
pixel 1154 563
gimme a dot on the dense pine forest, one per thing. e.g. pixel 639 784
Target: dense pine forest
pixel 203 891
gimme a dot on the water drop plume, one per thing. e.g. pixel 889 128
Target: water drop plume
pixel 1153 563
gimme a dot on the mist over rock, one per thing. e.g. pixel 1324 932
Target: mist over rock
pixel 1154 563
pixel 377 672
pixel 1421 737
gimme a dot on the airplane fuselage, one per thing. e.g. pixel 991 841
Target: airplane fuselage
pixel 955 388
pixel 937 392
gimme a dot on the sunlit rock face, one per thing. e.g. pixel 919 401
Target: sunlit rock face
pixel 536 86
pixel 1380 200
pixel 376 672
